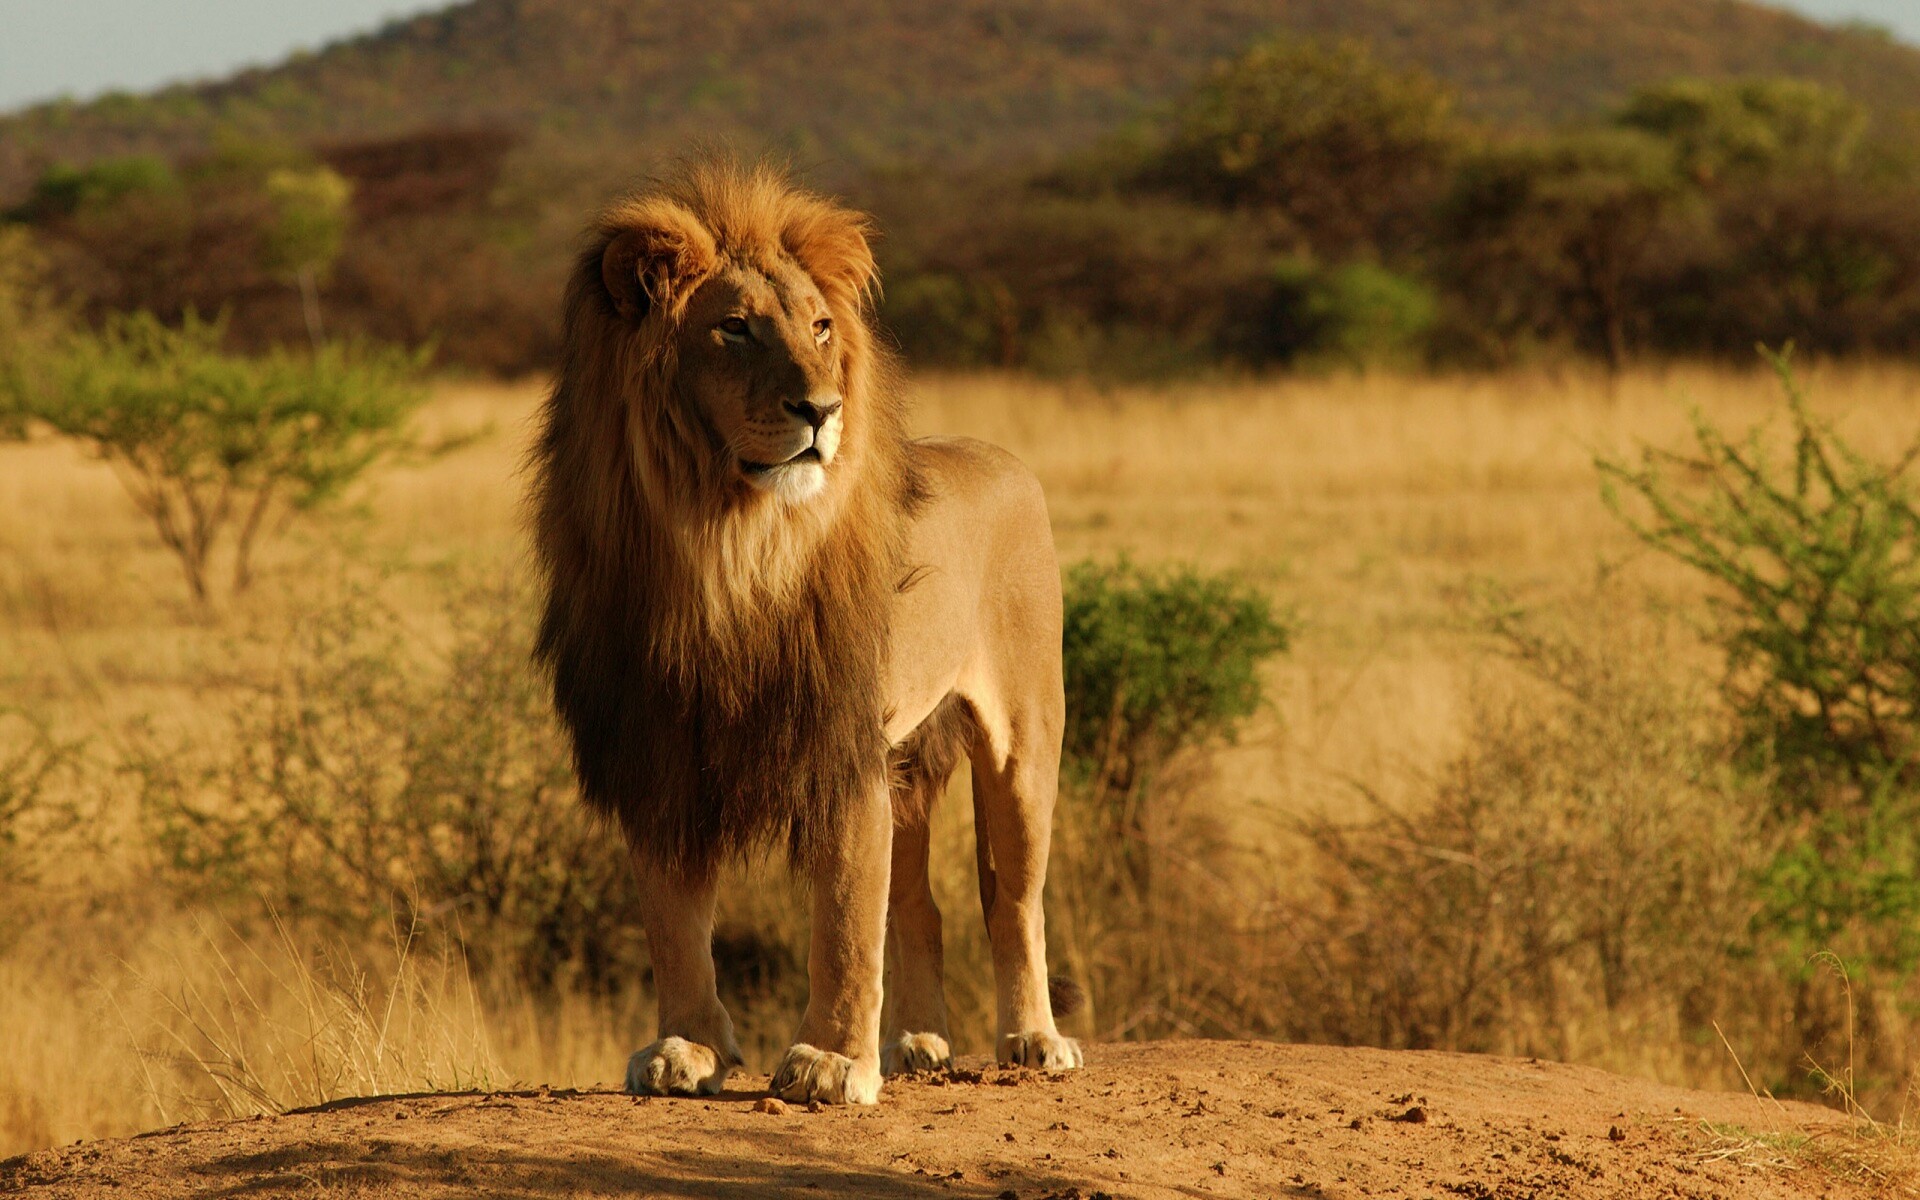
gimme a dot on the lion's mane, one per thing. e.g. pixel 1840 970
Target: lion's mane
pixel 717 658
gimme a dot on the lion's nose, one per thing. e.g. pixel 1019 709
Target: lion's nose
pixel 814 410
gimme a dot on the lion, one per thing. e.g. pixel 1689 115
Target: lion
pixel 773 619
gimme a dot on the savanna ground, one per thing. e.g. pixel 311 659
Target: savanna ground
pixel 1403 522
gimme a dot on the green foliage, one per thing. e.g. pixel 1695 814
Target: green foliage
pixel 1339 150
pixel 1749 126
pixel 1103 284
pixel 32 324
pixel 307 233
pixel 379 784
pixel 67 191
pixel 311 210
pixel 1357 315
pixel 1158 661
pixel 947 319
pixel 1159 665
pixel 1347 147
pixel 1549 232
pixel 1816 560
pixel 207 442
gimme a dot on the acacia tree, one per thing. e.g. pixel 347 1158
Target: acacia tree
pixel 1547 235
pixel 1749 127
pixel 309 229
pixel 1813 551
pixel 208 444
pixel 1351 149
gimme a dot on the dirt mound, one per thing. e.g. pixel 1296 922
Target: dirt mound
pixel 1229 1119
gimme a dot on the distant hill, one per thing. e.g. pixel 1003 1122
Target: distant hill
pixel 867 83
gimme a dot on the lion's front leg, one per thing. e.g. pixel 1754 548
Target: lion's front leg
pixel 695 1050
pixel 836 1056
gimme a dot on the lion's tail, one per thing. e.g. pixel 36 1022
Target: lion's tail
pixel 1065 995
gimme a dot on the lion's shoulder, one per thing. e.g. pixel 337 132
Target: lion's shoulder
pixel 970 468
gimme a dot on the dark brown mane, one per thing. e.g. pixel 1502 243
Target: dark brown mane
pixel 719 666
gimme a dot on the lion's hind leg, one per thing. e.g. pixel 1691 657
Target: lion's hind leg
pixel 1015 775
pixel 696 1050
pixel 916 1037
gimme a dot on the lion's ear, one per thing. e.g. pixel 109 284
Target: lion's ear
pixel 834 245
pixel 657 254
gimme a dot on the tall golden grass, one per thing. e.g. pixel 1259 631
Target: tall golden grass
pixel 1372 507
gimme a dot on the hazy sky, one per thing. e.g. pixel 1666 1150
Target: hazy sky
pixel 83 47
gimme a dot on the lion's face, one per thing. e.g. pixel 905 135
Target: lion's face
pixel 748 299
pixel 760 364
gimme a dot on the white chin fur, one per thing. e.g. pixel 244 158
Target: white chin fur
pixel 795 483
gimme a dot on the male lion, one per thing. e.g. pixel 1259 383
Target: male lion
pixel 773 618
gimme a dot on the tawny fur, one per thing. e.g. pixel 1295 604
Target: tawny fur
pixel 717 658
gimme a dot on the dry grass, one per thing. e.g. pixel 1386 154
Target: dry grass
pixel 1369 505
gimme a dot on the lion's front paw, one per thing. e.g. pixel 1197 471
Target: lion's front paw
pixel 676 1066
pixel 915 1052
pixel 1047 1051
pixel 807 1074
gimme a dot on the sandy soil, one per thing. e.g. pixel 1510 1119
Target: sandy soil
pixel 1170 1119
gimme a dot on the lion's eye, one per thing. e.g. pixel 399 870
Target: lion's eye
pixel 822 330
pixel 734 327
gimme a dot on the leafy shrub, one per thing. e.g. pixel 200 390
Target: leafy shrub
pixel 1815 556
pixel 377 786
pixel 210 444
pixel 67 191
pixel 1157 661
pixel 1102 284
pixel 1160 665
pixel 1357 315
pixel 1832 263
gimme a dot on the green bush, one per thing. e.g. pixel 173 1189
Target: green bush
pixel 1356 315
pixel 1157 661
pixel 948 320
pixel 210 444
pixel 1160 665
pixel 1815 558
pixel 66 191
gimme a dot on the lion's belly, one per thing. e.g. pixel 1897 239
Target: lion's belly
pixel 933 637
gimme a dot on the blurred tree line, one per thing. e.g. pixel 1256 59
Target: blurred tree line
pixel 393 240
pixel 1311 204
pixel 1306 205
